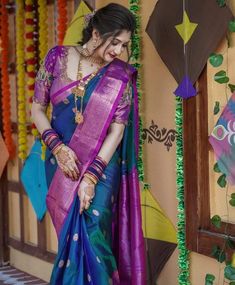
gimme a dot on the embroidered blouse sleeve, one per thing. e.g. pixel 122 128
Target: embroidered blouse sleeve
pixel 123 109
pixel 45 78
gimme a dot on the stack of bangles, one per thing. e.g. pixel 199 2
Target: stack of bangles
pixel 95 171
pixel 52 140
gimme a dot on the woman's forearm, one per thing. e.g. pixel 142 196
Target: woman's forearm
pixel 39 117
pixel 111 141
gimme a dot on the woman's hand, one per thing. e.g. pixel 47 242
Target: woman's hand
pixel 86 193
pixel 67 161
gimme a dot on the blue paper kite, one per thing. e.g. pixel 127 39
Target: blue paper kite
pixel 33 178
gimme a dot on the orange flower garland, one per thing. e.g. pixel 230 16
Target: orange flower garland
pixel 62 20
pixel 6 96
pixel 22 115
pixel 31 60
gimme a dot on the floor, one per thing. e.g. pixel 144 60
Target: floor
pixel 11 275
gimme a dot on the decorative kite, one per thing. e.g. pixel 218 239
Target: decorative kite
pixel 74 32
pixel 33 178
pixel 185 33
pixel 222 140
pixel 159 234
pixel 4 155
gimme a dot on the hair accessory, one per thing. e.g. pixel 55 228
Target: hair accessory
pixel 88 17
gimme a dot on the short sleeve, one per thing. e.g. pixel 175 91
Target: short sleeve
pixel 45 78
pixel 121 114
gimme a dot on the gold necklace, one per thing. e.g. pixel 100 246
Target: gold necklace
pixel 86 54
pixel 79 92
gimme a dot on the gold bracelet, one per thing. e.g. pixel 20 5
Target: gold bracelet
pixel 58 148
pixel 91 178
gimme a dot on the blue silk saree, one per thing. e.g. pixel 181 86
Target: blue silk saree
pixel 105 244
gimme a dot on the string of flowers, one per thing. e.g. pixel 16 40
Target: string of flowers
pixel 62 20
pixel 43 43
pixel 183 258
pixel 43 29
pixel 31 60
pixel 5 85
pixel 22 114
pixel 134 6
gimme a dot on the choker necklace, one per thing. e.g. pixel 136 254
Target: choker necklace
pixel 86 54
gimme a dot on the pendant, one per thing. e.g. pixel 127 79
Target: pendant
pixel 79 117
pixel 78 92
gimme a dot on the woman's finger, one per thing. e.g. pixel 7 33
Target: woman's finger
pixel 87 205
pixel 76 158
pixel 75 169
pixel 81 198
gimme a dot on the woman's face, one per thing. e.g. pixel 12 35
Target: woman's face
pixel 113 47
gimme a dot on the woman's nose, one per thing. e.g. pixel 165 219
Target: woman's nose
pixel 118 49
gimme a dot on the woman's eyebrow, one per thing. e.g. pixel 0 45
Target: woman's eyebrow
pixel 120 40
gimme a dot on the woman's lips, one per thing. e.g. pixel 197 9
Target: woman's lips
pixel 112 55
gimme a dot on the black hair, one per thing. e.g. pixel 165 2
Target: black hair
pixel 109 21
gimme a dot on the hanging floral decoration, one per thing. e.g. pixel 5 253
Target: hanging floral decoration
pixel 20 55
pixel 31 60
pixel 5 85
pixel 62 20
pixel 43 43
pixel 43 29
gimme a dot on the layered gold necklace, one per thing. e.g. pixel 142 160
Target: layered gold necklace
pixel 79 91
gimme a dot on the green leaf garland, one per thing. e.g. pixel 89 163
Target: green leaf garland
pixel 134 6
pixel 183 258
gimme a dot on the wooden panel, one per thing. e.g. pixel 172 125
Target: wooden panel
pixel 14 215
pixel 201 234
pixel 4 250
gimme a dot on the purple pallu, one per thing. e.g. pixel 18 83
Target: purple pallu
pixel 86 142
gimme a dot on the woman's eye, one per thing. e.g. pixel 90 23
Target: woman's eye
pixel 114 43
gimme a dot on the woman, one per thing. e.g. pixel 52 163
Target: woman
pixel 92 147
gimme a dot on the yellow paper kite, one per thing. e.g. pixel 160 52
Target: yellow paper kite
pixel 159 234
pixel 74 32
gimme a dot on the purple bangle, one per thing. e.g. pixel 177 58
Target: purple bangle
pixel 97 167
pixel 51 139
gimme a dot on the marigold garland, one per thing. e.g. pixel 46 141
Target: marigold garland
pixel 31 60
pixel 22 114
pixel 5 85
pixel 43 29
pixel 62 20
pixel 43 43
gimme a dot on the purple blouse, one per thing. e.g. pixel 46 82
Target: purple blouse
pixel 52 76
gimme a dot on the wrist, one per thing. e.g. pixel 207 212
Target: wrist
pixel 51 140
pixel 89 179
pixel 57 149
pixel 96 169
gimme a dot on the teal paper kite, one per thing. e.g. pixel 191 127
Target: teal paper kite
pixel 33 178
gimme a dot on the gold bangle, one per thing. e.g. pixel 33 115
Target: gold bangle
pixel 57 149
pixel 91 178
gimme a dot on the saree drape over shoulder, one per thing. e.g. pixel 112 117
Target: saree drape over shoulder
pixel 105 244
